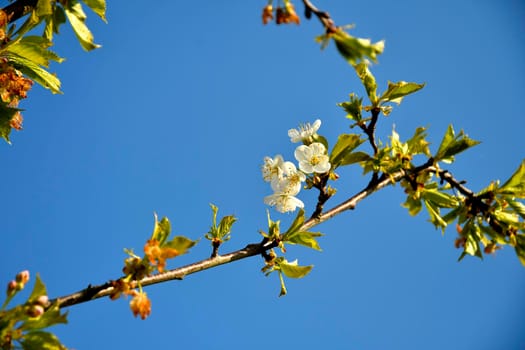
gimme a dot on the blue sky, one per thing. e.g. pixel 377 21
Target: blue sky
pixel 178 109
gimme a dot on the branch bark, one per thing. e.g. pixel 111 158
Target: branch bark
pixel 106 289
pixel 19 9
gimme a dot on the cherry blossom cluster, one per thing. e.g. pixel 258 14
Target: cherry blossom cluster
pixel 284 177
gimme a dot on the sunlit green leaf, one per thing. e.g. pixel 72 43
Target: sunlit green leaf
pixel 418 144
pixel 345 144
pixel 296 224
pixel 43 8
pixel 396 91
pixel 76 16
pixel 53 22
pixel 518 207
pixel 435 217
pixel 352 107
pixel 222 230
pixel 439 198
pixel 354 157
pixel 515 185
pixel 180 243
pixel 413 205
pixel 304 238
pixel 452 145
pixel 355 49
pixel 161 230
pixel 38 289
pixel 368 80
pixel 98 6
pixel 35 72
pixel 35 49
pixel 506 217
pixel 293 270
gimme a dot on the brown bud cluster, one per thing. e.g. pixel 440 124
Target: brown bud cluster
pixel 283 14
pixel 13 88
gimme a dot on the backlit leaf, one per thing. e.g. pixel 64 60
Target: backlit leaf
pixel 293 270
pixel 396 91
pixel 515 185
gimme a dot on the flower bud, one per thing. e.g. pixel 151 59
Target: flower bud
pixel 12 288
pixel 22 277
pixel 42 300
pixel 35 311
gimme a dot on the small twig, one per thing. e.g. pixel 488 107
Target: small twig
pixel 323 16
pixel 370 129
pixel 324 195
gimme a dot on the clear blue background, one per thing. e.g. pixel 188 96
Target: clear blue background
pixel 178 109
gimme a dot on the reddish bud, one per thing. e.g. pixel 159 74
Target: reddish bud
pixel 22 277
pixel 35 311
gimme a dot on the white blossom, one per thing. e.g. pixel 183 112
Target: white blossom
pixel 272 168
pixel 283 202
pixel 304 132
pixel 312 158
pixel 285 181
pixel 289 184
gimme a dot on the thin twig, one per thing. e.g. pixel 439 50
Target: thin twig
pixel 323 16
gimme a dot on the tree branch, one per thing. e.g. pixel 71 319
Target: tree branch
pixel 106 289
pixel 19 9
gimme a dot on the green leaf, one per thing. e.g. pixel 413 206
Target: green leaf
pixel 435 217
pixel 35 72
pixel 39 289
pixel 76 16
pixel 35 49
pixel 418 144
pixel 6 114
pixel 520 248
pixel 161 230
pixel 304 238
pixel 396 91
pixel 181 244
pixel 345 144
pixel 452 145
pixel 440 199
pixel 296 224
pixel 39 340
pixel 413 205
pixel 293 270
pixel 471 232
pixel 518 207
pixel 43 8
pixel 352 107
pixel 368 80
pixel 354 157
pixel 53 22
pixel 453 214
pixel 515 185
pixel 355 49
pixel 97 6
